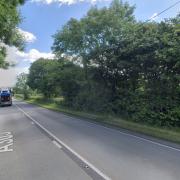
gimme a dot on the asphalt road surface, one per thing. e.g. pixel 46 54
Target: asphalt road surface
pixel 39 144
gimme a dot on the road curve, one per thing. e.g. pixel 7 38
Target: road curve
pixel 26 153
pixel 118 155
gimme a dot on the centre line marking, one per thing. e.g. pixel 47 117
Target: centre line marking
pixel 57 144
pixel 127 134
pixel 58 141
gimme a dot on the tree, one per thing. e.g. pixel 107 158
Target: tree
pixel 161 73
pixel 21 86
pixel 131 68
pixel 103 38
pixel 9 35
pixel 70 78
pixel 42 75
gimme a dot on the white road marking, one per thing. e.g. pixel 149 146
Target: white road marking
pixel 6 148
pixel 57 144
pixel 6 142
pixel 126 134
pixel 6 133
pixel 134 136
pixel 66 146
pixel 6 137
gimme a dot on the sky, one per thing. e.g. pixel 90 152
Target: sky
pixel 42 19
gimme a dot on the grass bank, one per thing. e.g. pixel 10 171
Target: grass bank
pixel 169 134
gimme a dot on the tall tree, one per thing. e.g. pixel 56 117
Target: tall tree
pixel 9 35
pixel 41 76
pixel 21 86
pixel 101 39
pixel 134 64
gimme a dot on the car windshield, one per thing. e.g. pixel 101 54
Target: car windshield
pixel 4 91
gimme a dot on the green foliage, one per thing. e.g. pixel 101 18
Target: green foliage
pixel 3 64
pixel 9 35
pixel 70 78
pixel 127 68
pixel 41 76
pixel 55 77
pixel 21 86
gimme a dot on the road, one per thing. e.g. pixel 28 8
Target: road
pixel 36 143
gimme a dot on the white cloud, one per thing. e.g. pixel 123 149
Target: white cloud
pixel 14 56
pixel 33 55
pixel 28 37
pixel 11 55
pixel 69 2
pixel 7 77
pixel 20 70
pixel 154 16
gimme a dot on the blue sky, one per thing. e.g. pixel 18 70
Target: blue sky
pixel 42 18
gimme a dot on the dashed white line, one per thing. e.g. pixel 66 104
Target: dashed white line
pixel 57 144
pixel 130 135
pixel 105 177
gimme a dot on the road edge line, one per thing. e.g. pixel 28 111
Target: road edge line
pixel 121 132
pixel 65 145
pixel 138 137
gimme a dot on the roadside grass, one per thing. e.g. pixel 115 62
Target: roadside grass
pixel 170 134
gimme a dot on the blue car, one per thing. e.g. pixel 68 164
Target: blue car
pixel 5 97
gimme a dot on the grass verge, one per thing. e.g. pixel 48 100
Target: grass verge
pixel 172 135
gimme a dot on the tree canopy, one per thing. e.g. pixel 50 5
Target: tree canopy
pixel 21 86
pixel 128 68
pixel 9 34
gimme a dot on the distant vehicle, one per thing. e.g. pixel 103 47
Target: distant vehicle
pixel 5 97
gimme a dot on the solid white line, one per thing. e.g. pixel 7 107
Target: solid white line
pixel 57 144
pixel 126 134
pixel 152 142
pixel 134 136
pixel 66 146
